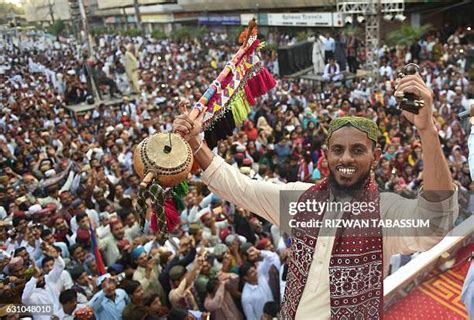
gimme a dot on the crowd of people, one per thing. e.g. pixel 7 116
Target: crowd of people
pixel 67 183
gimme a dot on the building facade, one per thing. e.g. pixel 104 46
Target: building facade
pixel 220 15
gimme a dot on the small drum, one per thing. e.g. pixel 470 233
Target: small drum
pixel 166 157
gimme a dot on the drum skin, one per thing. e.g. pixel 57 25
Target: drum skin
pixel 168 169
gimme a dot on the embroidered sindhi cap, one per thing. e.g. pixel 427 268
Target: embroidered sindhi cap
pixel 363 124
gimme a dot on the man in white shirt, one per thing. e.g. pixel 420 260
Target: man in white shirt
pixel 313 287
pixel 110 244
pixel 329 47
pixel 447 92
pixel 212 228
pixel 362 92
pixel 68 300
pixel 130 109
pixel 131 226
pixel 460 98
pixel 386 70
pixel 64 280
pixel 470 143
pixel 84 218
pixel 41 289
pixel 256 291
pixel 332 72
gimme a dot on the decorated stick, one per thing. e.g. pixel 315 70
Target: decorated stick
pixel 152 166
pixel 199 106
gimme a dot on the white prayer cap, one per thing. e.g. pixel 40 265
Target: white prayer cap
pixel 34 208
pixel 102 278
pixel 50 173
pixel 104 215
pixel 230 238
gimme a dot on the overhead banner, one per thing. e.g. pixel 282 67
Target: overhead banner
pixel 307 19
pixel 219 20
pixel 246 17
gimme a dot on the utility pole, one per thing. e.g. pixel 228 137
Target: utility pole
pixel 138 17
pixel 125 18
pixel 51 11
pixel 85 30
pixel 257 5
pixel 75 18
pixel 85 26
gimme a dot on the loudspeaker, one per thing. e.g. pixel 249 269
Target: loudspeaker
pixel 292 59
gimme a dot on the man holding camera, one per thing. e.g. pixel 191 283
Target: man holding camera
pixel 147 273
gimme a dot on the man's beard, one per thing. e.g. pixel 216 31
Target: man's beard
pixel 343 191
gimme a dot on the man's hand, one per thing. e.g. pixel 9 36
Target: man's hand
pixel 184 125
pixel 150 264
pixel 234 246
pixel 198 263
pixel 52 252
pixel 420 176
pixel 253 253
pixel 437 178
pixel 415 84
pixel 92 280
pixel 149 267
pixel 37 272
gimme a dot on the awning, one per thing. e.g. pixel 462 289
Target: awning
pixel 158 18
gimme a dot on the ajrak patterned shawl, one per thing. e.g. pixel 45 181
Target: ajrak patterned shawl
pixel 356 265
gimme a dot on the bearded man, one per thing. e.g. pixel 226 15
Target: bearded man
pixel 338 273
pixel 42 288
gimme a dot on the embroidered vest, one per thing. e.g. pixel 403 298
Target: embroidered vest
pixel 356 265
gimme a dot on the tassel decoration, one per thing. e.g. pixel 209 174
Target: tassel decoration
pixel 228 100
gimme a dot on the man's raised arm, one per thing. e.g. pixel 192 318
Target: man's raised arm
pixel 262 198
pixel 437 181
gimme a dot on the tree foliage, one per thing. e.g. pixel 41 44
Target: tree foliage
pixel 234 34
pixel 58 27
pixel 407 34
pixel 188 33
pixel 99 31
pixel 302 36
pixel 134 32
pixel 158 35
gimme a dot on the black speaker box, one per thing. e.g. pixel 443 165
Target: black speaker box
pixel 292 59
